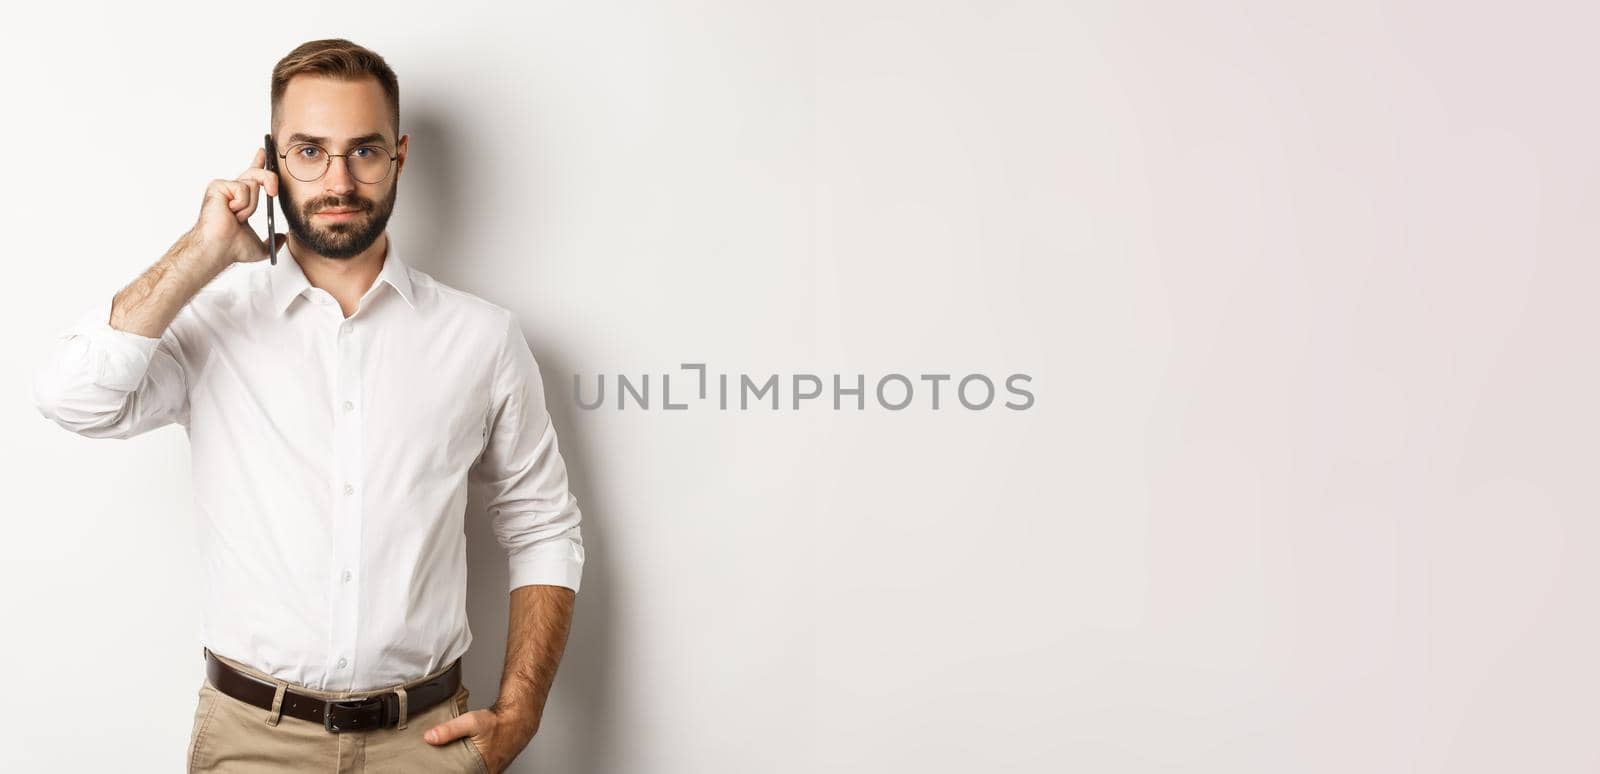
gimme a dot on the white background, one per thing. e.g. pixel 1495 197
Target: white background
pixel 1306 292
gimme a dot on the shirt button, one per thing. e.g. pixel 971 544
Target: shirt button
pixel 349 489
pixel 348 406
pixel 342 662
pixel 346 576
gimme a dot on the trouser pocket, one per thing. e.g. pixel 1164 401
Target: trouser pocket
pixel 458 707
pixel 205 708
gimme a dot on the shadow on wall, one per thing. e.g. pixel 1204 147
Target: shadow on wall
pixel 575 733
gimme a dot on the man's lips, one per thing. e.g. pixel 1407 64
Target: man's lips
pixel 337 214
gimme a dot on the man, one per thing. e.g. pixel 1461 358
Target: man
pixel 339 407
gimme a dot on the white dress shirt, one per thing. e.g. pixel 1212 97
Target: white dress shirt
pixel 332 459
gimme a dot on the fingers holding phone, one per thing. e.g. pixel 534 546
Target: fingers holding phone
pixel 256 179
pixel 225 212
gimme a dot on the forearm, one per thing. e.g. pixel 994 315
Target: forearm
pixel 151 302
pixel 541 617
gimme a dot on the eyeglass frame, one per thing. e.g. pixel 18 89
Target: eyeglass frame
pixel 329 163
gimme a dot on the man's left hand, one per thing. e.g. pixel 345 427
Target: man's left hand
pixel 498 734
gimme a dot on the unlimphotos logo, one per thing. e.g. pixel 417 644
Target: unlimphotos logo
pixel 892 391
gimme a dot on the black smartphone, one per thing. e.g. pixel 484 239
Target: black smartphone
pixel 272 228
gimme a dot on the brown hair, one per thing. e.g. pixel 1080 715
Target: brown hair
pixel 336 58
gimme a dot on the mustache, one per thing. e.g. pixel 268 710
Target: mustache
pixel 359 205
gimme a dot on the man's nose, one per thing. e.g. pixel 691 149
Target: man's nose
pixel 337 179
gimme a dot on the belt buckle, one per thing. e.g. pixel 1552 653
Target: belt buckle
pixel 356 705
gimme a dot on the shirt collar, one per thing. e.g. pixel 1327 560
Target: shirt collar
pixel 289 281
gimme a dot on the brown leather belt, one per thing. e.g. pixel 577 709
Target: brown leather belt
pixel 336 715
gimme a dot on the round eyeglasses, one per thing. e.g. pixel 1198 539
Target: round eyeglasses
pixel 308 162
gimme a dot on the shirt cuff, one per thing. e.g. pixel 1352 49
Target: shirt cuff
pixel 120 358
pixel 559 563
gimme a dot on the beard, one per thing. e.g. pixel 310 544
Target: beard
pixel 343 239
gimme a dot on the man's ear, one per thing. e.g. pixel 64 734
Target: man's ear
pixel 400 150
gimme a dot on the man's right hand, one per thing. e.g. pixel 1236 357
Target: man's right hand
pixel 224 224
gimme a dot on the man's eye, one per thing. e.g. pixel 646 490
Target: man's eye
pixel 309 151
pixel 365 152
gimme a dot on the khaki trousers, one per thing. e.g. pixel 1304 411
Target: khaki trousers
pixel 233 737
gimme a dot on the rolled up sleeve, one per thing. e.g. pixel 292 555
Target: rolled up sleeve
pixel 102 382
pixel 523 477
